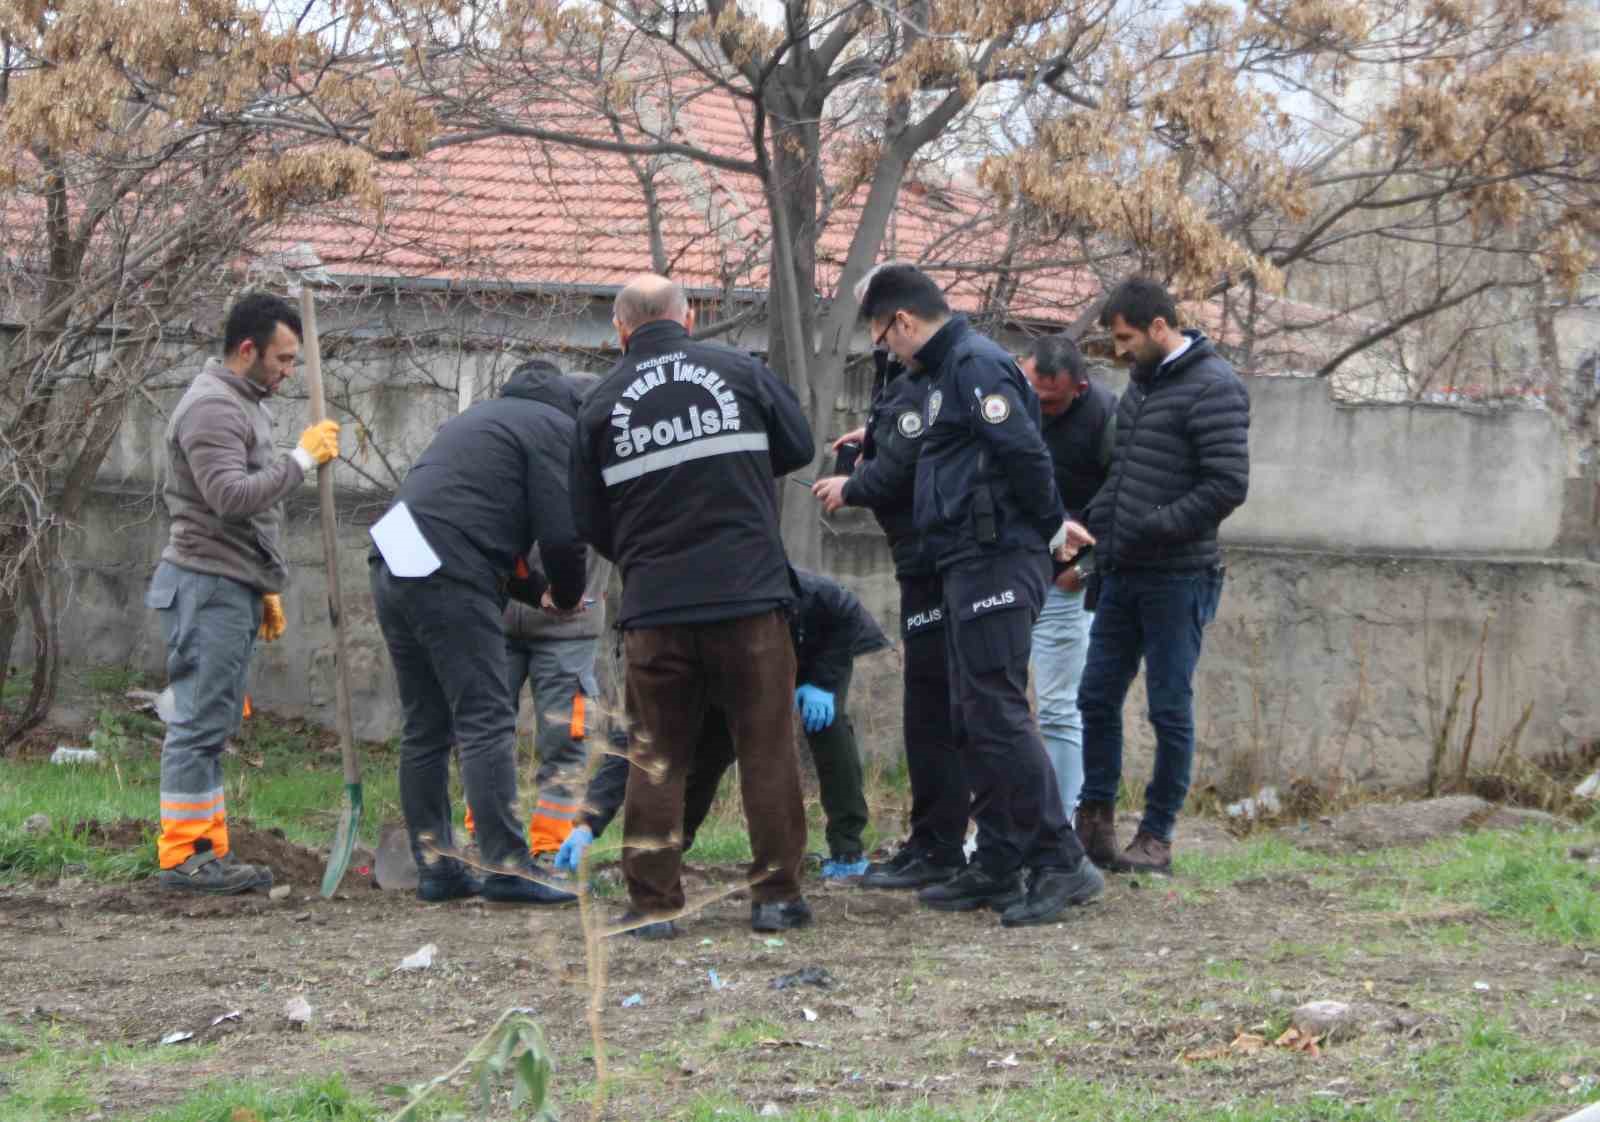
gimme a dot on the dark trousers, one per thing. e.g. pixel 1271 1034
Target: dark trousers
pixel 940 798
pixel 675 674
pixel 838 761
pixel 990 606
pixel 839 778
pixel 1159 617
pixel 449 652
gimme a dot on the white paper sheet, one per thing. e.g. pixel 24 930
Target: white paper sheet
pixel 404 549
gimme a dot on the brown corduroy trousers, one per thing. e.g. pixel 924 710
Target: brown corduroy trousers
pixel 746 668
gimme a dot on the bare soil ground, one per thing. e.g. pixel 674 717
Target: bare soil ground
pixel 923 1006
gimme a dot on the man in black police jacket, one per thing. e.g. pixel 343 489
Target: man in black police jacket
pixel 674 478
pixel 1180 466
pixel 987 507
pixel 490 486
pixel 884 481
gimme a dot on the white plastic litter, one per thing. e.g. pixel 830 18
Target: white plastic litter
pixel 421 959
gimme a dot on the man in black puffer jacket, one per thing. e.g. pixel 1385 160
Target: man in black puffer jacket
pixel 1181 465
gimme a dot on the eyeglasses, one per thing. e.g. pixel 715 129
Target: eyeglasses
pixel 879 343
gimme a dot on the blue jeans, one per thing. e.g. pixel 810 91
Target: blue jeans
pixel 1060 648
pixel 1159 617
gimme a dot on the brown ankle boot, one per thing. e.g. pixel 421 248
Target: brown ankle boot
pixel 1096 827
pixel 1146 854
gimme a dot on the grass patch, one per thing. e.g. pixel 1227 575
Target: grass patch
pixel 1490 1073
pixel 1257 857
pixel 312 1100
pixel 56 1075
pixel 293 790
pixel 1526 878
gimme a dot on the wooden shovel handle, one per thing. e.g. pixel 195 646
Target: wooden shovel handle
pixel 330 541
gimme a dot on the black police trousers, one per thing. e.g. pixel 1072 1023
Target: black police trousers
pixel 990 604
pixel 940 797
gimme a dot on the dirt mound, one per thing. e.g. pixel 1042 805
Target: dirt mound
pixel 290 863
pixel 1385 825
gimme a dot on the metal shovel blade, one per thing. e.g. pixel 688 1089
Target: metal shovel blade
pixel 344 839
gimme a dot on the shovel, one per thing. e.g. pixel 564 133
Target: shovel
pixel 344 835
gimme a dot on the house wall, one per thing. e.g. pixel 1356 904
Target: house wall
pixel 1376 545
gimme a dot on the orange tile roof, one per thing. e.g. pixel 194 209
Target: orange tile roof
pixel 510 211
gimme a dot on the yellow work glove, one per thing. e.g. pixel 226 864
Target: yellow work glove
pixel 272 622
pixel 321 441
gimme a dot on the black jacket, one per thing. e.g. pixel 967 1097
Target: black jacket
pixel 1181 465
pixel 985 483
pixel 885 477
pixel 494 482
pixel 1081 440
pixel 673 477
pixel 830 627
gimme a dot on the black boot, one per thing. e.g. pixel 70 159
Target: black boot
pixel 656 929
pixel 973 888
pixel 1053 891
pixel 919 872
pixel 780 915
pixel 902 857
pixel 435 887
pixel 518 888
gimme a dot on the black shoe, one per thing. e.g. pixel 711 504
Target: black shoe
pixel 1053 891
pixel 919 872
pixel 207 874
pixel 902 857
pixel 780 915
pixel 230 860
pixel 510 888
pixel 657 929
pixel 1013 898
pixel 973 888
pixel 456 885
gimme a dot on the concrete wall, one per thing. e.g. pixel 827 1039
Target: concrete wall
pixel 1376 541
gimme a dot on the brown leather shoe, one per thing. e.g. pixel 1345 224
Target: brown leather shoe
pixel 1096 827
pixel 1146 854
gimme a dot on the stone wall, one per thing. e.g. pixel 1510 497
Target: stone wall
pixel 1376 542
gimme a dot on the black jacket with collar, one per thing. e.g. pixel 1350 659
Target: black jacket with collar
pixel 1181 464
pixel 830 627
pixel 493 482
pixel 885 477
pixel 985 482
pixel 1081 439
pixel 674 476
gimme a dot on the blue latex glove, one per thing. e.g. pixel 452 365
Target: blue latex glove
pixel 815 706
pixel 571 851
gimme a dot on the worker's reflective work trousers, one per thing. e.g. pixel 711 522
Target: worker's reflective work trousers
pixel 210 625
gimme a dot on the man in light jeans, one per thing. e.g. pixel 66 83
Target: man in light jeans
pixel 1079 428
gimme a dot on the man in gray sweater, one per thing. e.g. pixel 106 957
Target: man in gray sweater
pixel 217 586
